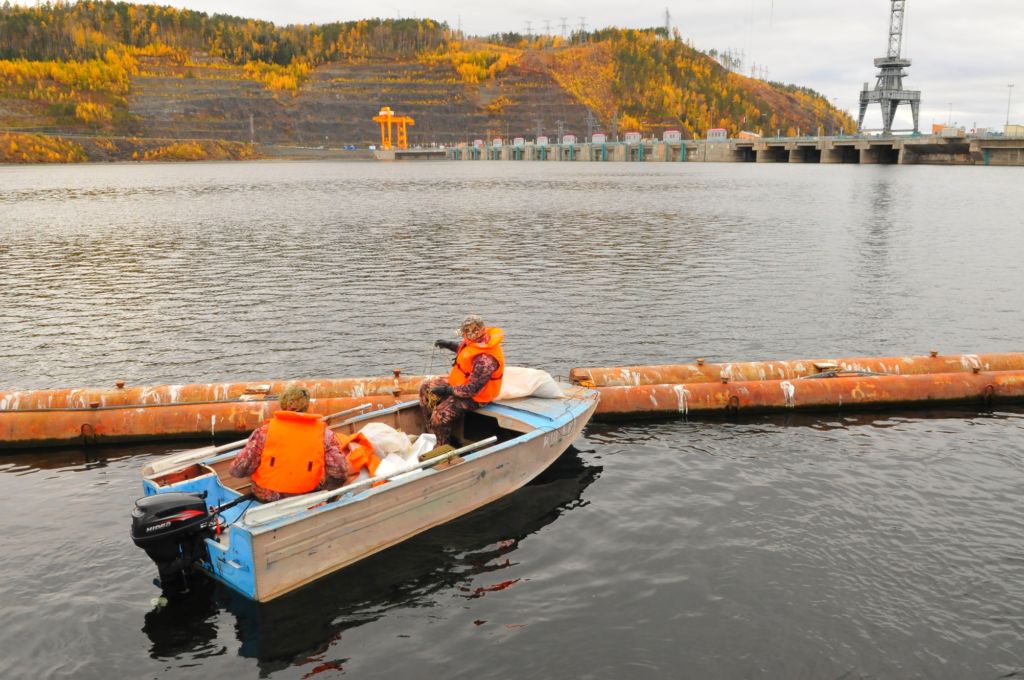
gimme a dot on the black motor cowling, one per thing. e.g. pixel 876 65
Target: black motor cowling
pixel 172 529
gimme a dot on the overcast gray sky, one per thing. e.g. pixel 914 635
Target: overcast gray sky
pixel 965 53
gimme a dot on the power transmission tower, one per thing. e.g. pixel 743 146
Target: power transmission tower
pixel 539 130
pixel 529 27
pixel 565 26
pixel 583 29
pixel 547 27
pixel 889 92
pixel 591 123
pixel 560 124
pixel 668 24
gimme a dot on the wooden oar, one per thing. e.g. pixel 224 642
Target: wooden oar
pixel 185 458
pixel 289 506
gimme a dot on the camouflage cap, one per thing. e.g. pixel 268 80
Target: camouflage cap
pixel 471 321
pixel 295 398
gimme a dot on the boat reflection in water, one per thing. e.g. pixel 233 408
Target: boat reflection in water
pixel 184 626
pixel 291 629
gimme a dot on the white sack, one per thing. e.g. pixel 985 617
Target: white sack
pixel 521 382
pixel 387 440
pixel 393 464
pixel 425 443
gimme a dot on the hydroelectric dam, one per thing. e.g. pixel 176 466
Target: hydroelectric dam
pixel 853 149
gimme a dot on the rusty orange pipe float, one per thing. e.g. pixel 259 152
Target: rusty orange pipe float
pixel 108 424
pixel 853 392
pixel 121 395
pixel 701 372
pixel 203 410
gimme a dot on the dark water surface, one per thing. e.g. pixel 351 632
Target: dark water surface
pixel 832 546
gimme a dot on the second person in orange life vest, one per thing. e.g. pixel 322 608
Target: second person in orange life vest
pixel 475 378
pixel 292 453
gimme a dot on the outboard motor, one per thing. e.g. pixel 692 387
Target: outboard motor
pixel 172 528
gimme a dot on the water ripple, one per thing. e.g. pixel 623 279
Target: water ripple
pixel 884 545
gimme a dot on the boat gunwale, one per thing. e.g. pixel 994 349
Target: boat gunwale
pixel 543 423
pixel 401 479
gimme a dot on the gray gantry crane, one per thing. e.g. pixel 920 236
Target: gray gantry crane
pixel 889 90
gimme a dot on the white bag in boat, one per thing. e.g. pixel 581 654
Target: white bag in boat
pixel 393 464
pixel 424 443
pixel 387 440
pixel 519 382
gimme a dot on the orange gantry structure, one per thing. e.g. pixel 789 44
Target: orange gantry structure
pixel 393 129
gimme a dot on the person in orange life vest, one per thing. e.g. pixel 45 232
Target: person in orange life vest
pixel 475 378
pixel 292 453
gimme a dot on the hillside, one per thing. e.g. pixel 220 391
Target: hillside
pixel 335 104
pixel 146 76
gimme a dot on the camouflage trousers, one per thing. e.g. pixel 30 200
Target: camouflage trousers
pixel 441 415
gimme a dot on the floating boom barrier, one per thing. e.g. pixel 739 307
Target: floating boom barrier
pixel 701 372
pixel 73 417
pixel 826 384
pixel 212 411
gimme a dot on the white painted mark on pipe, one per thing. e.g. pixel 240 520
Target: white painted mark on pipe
pixel 969 361
pixel 789 391
pixel 628 377
pixel 682 397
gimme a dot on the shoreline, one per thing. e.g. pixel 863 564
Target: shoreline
pixel 47 148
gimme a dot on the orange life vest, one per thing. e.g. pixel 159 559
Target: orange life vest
pixel 293 456
pixel 359 453
pixel 464 365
